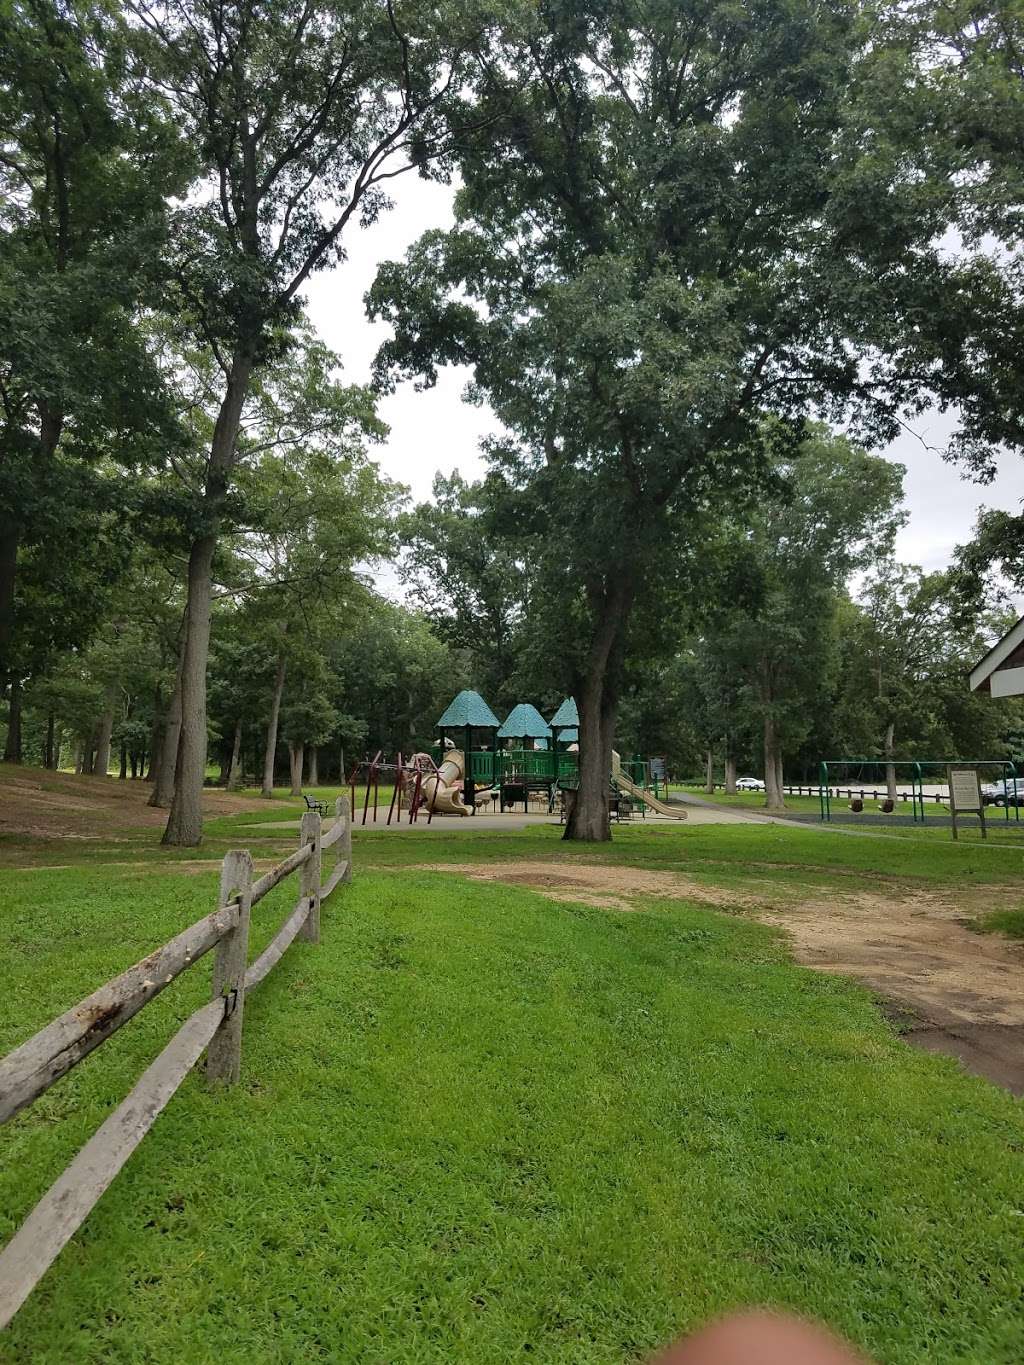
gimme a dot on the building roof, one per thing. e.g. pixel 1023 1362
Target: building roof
pixel 569 736
pixel 565 715
pixel 1005 658
pixel 524 722
pixel 469 708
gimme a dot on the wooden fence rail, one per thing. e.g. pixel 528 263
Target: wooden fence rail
pixel 216 1027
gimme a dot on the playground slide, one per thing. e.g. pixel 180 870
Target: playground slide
pixel 442 791
pixel 673 812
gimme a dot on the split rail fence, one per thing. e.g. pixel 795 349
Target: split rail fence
pixel 31 1069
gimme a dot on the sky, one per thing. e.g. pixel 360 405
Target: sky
pixel 435 430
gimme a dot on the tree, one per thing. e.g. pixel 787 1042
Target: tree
pixel 316 508
pixel 926 234
pixel 906 650
pixel 85 163
pixel 630 276
pixel 833 512
pixel 300 114
pixel 469 579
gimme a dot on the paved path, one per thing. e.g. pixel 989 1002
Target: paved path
pixel 698 813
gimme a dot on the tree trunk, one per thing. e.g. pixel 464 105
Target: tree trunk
pixel 156 738
pixel 10 535
pixel 890 766
pixel 48 751
pixel 185 823
pixel 709 772
pixel 51 423
pixel 225 767
pixel 79 756
pixel 296 753
pixel 730 774
pixel 101 763
pixel 235 770
pixel 123 772
pixel 12 749
pixel 774 799
pixel 588 819
pixel 314 766
pixel 166 760
pixel 270 752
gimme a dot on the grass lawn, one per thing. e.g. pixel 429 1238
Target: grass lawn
pixel 1008 922
pixel 475 1124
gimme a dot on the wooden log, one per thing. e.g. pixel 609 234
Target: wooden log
pixel 67 1203
pixel 310 833
pixel 278 946
pixel 338 828
pixel 224 1059
pixel 343 816
pixel 30 1070
pixel 277 874
pixel 339 874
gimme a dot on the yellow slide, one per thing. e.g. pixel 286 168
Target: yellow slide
pixel 673 812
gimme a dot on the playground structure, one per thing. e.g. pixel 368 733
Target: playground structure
pixel 522 760
pixel 830 780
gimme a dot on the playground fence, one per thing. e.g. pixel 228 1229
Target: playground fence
pixel 796 789
pixel 31 1069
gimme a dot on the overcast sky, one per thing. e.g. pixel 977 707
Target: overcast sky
pixel 436 430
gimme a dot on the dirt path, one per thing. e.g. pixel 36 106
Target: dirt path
pixel 956 991
pixel 48 805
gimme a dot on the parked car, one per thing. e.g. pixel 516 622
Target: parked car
pixel 750 784
pixel 1002 793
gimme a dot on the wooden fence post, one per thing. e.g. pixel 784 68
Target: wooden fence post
pixel 310 832
pixel 343 811
pixel 224 1055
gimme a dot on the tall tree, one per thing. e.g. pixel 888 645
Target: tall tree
pixel 470 579
pixel 630 277
pixel 300 114
pixel 834 511
pixel 86 159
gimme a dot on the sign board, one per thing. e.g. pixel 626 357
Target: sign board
pixel 658 768
pixel 965 796
pixel 965 789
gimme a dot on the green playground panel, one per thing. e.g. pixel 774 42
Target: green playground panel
pixel 511 765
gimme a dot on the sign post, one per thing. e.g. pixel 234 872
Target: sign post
pixel 965 797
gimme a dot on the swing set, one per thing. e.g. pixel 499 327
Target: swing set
pixel 830 782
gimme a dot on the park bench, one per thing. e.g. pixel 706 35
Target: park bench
pixel 312 804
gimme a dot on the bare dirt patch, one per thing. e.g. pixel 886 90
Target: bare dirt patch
pixel 959 992
pixel 608 887
pixel 963 991
pixel 45 805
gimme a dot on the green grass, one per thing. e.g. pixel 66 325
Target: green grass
pixel 1009 922
pixel 475 1124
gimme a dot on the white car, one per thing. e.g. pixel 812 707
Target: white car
pixel 750 784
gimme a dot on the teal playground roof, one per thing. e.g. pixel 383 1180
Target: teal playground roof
pixel 569 736
pixel 524 722
pixel 565 715
pixel 469 708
